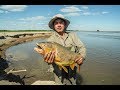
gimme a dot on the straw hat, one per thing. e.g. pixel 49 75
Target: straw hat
pixel 60 16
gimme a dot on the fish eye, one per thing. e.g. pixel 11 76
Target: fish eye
pixel 39 47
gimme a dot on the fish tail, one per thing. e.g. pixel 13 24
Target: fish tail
pixel 72 66
pixel 60 67
pixel 65 69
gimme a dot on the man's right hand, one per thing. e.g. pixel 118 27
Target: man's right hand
pixel 48 57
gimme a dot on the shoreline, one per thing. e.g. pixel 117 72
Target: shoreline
pixel 12 39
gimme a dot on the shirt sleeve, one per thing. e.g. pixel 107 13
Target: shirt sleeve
pixel 79 46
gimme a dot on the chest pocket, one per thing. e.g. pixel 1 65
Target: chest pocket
pixel 69 42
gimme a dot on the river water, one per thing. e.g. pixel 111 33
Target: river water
pixel 23 57
pixel 101 66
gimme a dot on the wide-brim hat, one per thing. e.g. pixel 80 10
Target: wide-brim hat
pixel 58 16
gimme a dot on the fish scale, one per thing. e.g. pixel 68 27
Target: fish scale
pixel 63 56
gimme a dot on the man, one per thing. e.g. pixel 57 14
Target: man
pixel 68 39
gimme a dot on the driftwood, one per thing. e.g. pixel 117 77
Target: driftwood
pixel 11 71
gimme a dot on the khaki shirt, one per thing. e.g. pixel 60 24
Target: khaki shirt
pixel 70 40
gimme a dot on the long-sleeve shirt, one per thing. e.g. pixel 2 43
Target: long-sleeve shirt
pixel 70 40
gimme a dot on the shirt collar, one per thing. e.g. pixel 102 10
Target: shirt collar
pixel 65 35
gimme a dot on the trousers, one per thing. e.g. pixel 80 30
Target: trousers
pixel 64 78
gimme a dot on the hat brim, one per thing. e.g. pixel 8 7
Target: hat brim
pixel 52 21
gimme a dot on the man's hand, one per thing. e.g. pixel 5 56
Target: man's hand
pixel 79 60
pixel 48 57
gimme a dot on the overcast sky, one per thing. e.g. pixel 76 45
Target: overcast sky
pixel 81 17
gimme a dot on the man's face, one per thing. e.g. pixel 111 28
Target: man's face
pixel 59 25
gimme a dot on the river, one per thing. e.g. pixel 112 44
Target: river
pixel 101 66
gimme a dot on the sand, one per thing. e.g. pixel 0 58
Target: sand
pixel 39 82
pixel 14 38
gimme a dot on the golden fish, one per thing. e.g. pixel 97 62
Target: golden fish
pixel 63 56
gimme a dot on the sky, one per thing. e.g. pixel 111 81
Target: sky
pixel 81 17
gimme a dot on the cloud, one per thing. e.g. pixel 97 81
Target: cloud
pixel 72 14
pixel 70 9
pixel 90 13
pixel 75 10
pixel 86 13
pixel 77 26
pixel 33 18
pixel 84 7
pixel 13 8
pixel 96 13
pixel 2 11
pixel 104 12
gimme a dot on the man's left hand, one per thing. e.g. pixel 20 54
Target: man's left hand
pixel 79 60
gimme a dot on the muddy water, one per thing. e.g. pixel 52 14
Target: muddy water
pixel 101 66
pixel 23 57
pixel 102 63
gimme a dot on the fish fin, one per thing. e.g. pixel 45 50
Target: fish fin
pixel 60 67
pixel 37 44
pixel 57 59
pixel 72 66
pixel 65 69
pixel 78 68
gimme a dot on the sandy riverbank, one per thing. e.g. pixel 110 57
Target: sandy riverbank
pixel 13 38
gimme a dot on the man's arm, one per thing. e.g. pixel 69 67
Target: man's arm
pixel 79 46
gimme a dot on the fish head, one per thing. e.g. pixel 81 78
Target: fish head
pixel 45 46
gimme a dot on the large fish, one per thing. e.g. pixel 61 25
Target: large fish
pixel 63 56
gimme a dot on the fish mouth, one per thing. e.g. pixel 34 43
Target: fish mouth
pixel 39 46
